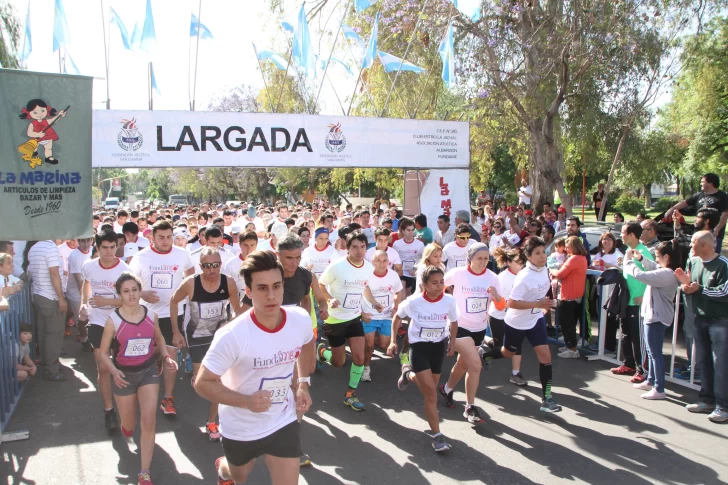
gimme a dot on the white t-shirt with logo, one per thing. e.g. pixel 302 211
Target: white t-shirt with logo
pixel 506 279
pixel 75 264
pixel 250 357
pixel 455 256
pixel 318 259
pixel 103 284
pixel 529 285
pixel 225 256
pixel 162 273
pixel 470 291
pixel 429 319
pixel 392 255
pixel 410 254
pixel 346 283
pixel 232 269
pixel 384 289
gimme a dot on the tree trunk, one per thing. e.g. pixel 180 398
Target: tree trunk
pixel 648 195
pixel 545 175
pixel 620 147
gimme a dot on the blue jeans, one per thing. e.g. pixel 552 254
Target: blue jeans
pixel 711 349
pixel 654 335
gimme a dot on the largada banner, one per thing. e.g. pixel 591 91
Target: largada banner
pixel 225 139
pixel 45 155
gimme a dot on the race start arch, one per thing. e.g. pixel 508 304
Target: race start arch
pixel 162 139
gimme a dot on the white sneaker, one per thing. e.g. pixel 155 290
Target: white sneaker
pixel 366 376
pixel 563 349
pixel 654 395
pixel 570 354
pixel 643 386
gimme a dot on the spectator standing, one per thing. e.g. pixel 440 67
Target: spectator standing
pixel 45 267
pixel 572 276
pixel 709 196
pixel 706 283
pixel 445 231
pixel 525 192
pixel 599 198
pixel 463 217
pixel 422 232
pixel 573 228
pixel 549 214
pixel 560 223
pixel 649 235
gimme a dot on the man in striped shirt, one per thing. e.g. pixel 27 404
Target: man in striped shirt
pixel 45 269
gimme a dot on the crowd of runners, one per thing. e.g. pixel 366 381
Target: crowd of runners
pixel 252 300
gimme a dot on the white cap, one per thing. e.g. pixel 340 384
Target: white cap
pixel 130 249
pixel 279 230
pixel 235 229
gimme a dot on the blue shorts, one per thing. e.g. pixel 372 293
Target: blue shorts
pixel 513 337
pixel 384 327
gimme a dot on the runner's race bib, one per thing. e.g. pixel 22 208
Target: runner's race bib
pixel 352 301
pixel 408 265
pixel 211 309
pixel 431 334
pixel 476 304
pixel 162 281
pixel 383 300
pixel 459 263
pixel 137 347
pixel 278 387
pixel 108 296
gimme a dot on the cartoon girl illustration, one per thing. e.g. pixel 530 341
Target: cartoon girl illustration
pixel 39 131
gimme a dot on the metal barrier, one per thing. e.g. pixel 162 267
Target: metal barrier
pixel 21 310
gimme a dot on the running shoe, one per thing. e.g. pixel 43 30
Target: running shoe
pixel 700 407
pixel 401 331
pixel 518 379
pixel 653 395
pixel 305 460
pixel 718 416
pixel 403 381
pixel 440 444
pixel 623 370
pixel 569 354
pixel 404 358
pixel 110 419
pixel 366 376
pixel 637 378
pixel 354 403
pixel 472 415
pixel 320 352
pixel 213 432
pixel 144 479
pixel 221 481
pixel 643 386
pixel 167 406
pixel 67 332
pixel 449 403
pixel 548 405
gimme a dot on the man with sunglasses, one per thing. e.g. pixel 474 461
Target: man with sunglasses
pixel 209 301
pixel 455 254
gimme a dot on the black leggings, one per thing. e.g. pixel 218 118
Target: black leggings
pixel 569 312
pixel 497 330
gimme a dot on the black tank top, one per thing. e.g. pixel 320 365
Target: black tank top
pixel 208 311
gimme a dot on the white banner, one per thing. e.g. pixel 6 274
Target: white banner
pixel 445 192
pixel 213 139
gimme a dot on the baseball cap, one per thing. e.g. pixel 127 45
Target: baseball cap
pixel 528 212
pixel 235 229
pixel 279 230
pixel 130 249
pixel 562 210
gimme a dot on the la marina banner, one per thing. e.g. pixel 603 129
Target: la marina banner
pixel 45 155
pixel 140 139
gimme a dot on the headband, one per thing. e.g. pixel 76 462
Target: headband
pixel 321 230
pixel 475 249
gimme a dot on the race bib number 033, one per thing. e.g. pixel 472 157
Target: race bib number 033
pixel 278 387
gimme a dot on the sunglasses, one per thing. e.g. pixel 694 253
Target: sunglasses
pixel 497 226
pixel 210 265
pixel 463 237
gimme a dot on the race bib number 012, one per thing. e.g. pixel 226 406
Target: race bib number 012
pixel 162 281
pixel 278 387
pixel 431 334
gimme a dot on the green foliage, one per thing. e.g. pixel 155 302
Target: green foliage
pixel 664 203
pixel 628 204
pixel 9 36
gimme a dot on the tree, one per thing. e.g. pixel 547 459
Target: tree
pixel 9 36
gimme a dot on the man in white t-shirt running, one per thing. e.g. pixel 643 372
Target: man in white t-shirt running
pixel 455 254
pixel 381 236
pixel 247 241
pixel 162 268
pixel 98 300
pixel 343 284
pixel 249 370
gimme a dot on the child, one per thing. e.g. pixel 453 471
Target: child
pixel 25 365
pixel 555 261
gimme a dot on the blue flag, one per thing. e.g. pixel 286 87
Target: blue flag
pixel 302 50
pixel 447 54
pixel 27 42
pixel 204 31
pixel 371 52
pixel 136 36
pixel 149 36
pixel 350 33
pixel 361 5
pixel 394 63
pixel 154 79
pixel 115 19
pixel 469 8
pixel 287 26
pixel 276 59
pixel 69 67
pixel 61 35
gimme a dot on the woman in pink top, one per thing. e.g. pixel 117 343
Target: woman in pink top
pixel 134 330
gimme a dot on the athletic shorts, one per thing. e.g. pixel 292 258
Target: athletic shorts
pixel 476 336
pixel 165 325
pixel 95 332
pixel 283 443
pixel 497 329
pixel 427 356
pixel 408 281
pixel 197 348
pixel 136 379
pixel 384 327
pixel 337 333
pixel 513 337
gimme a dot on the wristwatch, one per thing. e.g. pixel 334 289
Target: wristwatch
pixel 306 380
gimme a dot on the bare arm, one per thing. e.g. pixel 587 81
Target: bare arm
pixel 323 302
pixel 679 206
pixel 184 291
pixel 234 300
pixel 209 386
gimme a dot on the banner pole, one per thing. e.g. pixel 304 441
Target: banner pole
pixel 333 46
pixel 197 53
pixel 106 52
pixel 285 76
pixel 262 74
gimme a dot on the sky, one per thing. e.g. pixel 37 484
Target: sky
pixel 226 61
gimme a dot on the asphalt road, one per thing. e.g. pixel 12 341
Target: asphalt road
pixel 605 435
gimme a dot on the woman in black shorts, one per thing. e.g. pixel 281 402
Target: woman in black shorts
pixel 430 339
